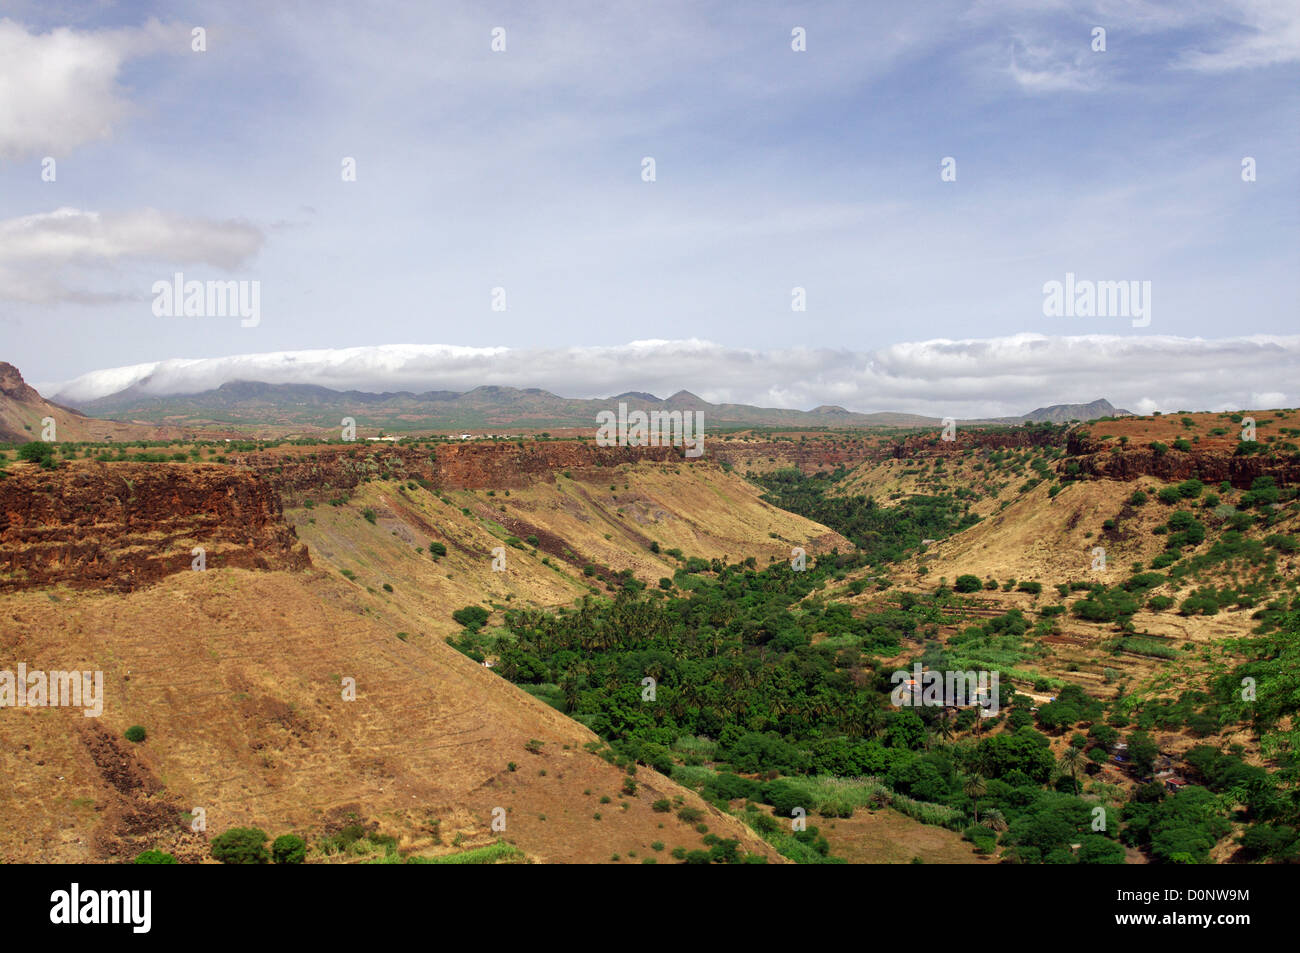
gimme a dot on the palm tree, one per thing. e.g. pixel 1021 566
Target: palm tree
pixel 995 820
pixel 1070 760
pixel 945 726
pixel 974 787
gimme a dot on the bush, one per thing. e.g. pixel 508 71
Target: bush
pixel 154 857
pixel 38 451
pixel 968 583
pixel 471 617
pixel 437 549
pixel 369 514
pixel 136 734
pixel 241 845
pixel 289 849
pixel 985 840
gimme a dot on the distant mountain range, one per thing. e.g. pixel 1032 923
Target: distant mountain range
pixel 253 403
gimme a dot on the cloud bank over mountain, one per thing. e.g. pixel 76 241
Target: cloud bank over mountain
pixel 963 378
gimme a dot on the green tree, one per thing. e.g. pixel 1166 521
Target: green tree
pixel 1070 760
pixel 241 845
pixel 289 849
pixel 975 788
pixel 1143 751
pixel 471 617
pixel 38 451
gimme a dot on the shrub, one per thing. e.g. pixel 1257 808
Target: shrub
pixel 154 857
pixel 241 845
pixel 985 840
pixel 1106 605
pixel 369 514
pixel 288 849
pixel 38 451
pixel 471 617
pixel 136 734
pixel 968 583
pixel 437 549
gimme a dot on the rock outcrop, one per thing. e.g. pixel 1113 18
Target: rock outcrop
pixel 123 525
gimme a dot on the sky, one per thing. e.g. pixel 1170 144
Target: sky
pixel 516 178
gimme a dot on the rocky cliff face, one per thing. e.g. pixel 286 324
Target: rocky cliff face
pixel 14 387
pixel 817 454
pixel 964 439
pixel 120 526
pixel 472 466
pixel 1209 466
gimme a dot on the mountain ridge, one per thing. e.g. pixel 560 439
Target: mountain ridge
pixel 497 406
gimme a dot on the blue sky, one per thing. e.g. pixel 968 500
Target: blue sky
pixel 775 169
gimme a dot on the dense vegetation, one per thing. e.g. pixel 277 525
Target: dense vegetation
pixel 766 692
pixel 882 534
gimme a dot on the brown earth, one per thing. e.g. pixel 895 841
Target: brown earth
pixel 237 677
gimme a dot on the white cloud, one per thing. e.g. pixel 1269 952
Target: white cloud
pixel 60 89
pixel 969 378
pixel 1053 69
pixel 37 251
pixel 1267 34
